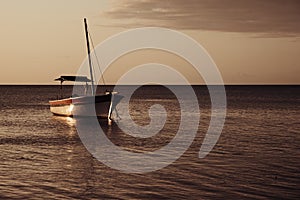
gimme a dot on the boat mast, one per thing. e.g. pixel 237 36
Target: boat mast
pixel 89 55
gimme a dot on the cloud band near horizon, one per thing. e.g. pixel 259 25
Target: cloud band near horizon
pixel 271 18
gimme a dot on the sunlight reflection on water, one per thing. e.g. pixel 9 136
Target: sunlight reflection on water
pixel 257 155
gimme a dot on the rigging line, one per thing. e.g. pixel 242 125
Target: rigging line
pixel 93 69
pixel 102 77
pixel 92 63
pixel 95 78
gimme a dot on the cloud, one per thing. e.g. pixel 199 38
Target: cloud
pixel 275 18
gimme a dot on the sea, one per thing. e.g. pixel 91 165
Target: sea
pixel 257 155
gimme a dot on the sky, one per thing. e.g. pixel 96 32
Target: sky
pixel 251 41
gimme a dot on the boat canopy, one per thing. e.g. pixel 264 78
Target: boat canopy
pixel 73 78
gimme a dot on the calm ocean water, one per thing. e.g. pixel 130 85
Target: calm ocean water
pixel 257 155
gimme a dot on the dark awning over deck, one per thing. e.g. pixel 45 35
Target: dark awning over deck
pixel 73 78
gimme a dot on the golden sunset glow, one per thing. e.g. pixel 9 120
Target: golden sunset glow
pixel 252 42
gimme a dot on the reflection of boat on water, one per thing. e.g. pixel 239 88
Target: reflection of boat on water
pixel 100 105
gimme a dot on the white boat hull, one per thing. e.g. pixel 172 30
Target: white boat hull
pixel 86 106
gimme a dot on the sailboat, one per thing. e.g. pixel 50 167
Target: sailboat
pixel 101 105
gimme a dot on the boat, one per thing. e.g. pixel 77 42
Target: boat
pixel 100 105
